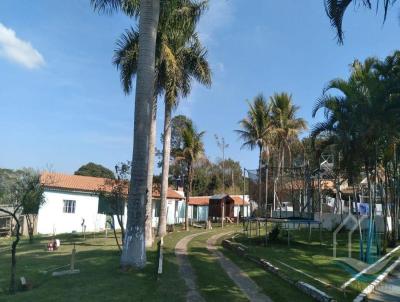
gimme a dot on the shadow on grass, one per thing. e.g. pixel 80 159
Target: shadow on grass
pixel 100 278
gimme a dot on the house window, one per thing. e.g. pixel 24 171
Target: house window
pixel 195 210
pixel 157 208
pixel 69 206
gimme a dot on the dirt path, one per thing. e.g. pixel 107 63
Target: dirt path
pixel 240 278
pixel 186 270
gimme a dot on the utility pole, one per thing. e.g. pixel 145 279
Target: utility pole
pixel 221 144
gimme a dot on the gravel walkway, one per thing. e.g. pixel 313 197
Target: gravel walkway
pixel 240 278
pixel 186 270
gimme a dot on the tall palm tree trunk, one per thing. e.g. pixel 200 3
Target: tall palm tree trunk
pixel 134 252
pixel 150 172
pixel 188 193
pixel 259 177
pixel 162 223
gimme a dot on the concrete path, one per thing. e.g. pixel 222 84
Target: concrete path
pixel 186 270
pixel 240 278
pixel 389 289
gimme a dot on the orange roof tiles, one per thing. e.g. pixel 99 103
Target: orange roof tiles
pixel 205 200
pixel 90 184
pixel 199 200
pixel 239 200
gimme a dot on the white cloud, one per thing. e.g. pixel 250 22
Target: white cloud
pixel 219 14
pixel 17 50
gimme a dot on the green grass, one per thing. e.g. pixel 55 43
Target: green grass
pixel 100 278
pixel 273 286
pixel 213 283
pixel 311 257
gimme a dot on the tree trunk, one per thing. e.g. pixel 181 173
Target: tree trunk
pixel 13 285
pixel 149 201
pixel 30 220
pixel 115 233
pixel 259 177
pixel 162 223
pixel 134 251
pixel 266 180
pixel 189 192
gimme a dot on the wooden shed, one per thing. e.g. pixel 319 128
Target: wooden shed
pixel 218 203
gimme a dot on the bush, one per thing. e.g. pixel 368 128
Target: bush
pixel 273 235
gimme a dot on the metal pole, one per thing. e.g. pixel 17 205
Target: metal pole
pixel 244 192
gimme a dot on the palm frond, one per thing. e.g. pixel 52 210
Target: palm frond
pixel 129 7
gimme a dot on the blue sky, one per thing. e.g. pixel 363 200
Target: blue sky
pixel 61 102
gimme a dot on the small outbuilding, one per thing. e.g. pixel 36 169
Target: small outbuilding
pixel 221 205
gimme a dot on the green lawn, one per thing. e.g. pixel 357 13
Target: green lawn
pixel 100 278
pixel 313 258
pixel 214 284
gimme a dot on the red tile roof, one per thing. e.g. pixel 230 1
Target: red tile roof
pixel 205 200
pixel 239 200
pixel 199 200
pixel 90 184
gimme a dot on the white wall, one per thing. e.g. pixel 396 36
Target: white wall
pixel 202 213
pixel 175 211
pixel 52 219
pixel 237 209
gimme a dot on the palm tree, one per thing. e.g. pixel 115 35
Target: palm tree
pixel 190 62
pixel 256 132
pixel 191 150
pixel 361 123
pixel 179 58
pixel 125 58
pixel 287 126
pixel 134 251
pixel 335 9
pixel 286 129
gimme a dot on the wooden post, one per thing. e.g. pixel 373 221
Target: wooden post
pixel 73 258
pixel 222 213
pixel 320 233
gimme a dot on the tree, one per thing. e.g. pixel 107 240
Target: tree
pixel 191 62
pixel 335 9
pixel 94 170
pixel 26 191
pixel 32 198
pixel 257 130
pixel 8 178
pixel 286 124
pixel 113 197
pixel 178 124
pixel 361 123
pixel 134 252
pixel 179 58
pixel 191 150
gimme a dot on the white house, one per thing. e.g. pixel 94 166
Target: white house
pixel 72 201
pixel 199 206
